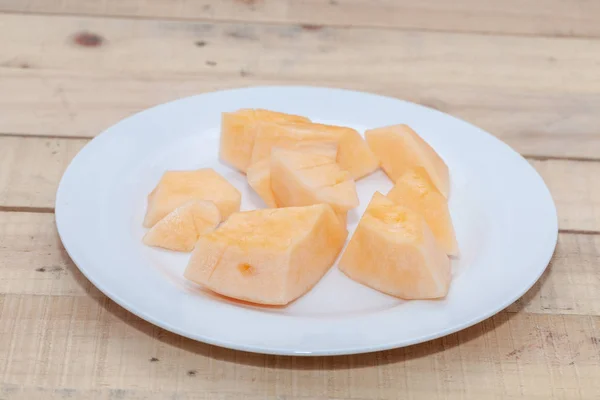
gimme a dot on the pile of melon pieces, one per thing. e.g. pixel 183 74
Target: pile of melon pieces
pixel 305 172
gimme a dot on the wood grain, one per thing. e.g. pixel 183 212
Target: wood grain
pixel 525 70
pixel 522 17
pixel 51 84
pixel 35 263
pixel 575 193
pixel 31 168
pixel 55 103
pixel 52 103
pixel 83 343
pixel 284 51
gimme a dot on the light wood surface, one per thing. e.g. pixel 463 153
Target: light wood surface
pixel 513 17
pixel 52 85
pixel 525 70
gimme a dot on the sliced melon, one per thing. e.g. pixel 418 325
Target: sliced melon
pixel 300 179
pixel 259 174
pixel 259 179
pixel 399 149
pixel 238 130
pixel 394 251
pixel 179 187
pixel 270 256
pixel 415 190
pixel 179 230
pixel 353 154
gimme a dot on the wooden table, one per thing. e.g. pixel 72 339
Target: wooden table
pixel 526 70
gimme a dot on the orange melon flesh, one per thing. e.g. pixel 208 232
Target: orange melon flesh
pixel 300 179
pixel 259 179
pixel 270 256
pixel 394 251
pixel 179 187
pixel 259 174
pixel 353 154
pixel 415 190
pixel 399 149
pixel 238 130
pixel 179 230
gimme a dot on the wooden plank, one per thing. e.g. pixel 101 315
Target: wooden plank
pixel 54 103
pixel 574 190
pixel 282 51
pixel 33 260
pixel 527 17
pixel 18 392
pixel 35 263
pixel 529 97
pixel 83 344
pixel 31 168
pixel 571 283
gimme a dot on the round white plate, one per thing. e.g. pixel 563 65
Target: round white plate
pixel 504 217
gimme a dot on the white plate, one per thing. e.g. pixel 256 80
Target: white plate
pixel 504 217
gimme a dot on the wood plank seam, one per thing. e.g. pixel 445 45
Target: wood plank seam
pixel 71 137
pixel 560 158
pixel 281 23
pixel 26 209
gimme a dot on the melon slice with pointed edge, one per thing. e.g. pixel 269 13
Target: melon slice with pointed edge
pixel 179 187
pixel 394 251
pixel 179 230
pixel 270 256
pixel 300 179
pixel 415 190
pixel 399 149
pixel 259 174
pixel 353 154
pixel 238 130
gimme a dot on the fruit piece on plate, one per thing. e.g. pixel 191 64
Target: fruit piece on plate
pixel 238 130
pixel 179 230
pixel 399 149
pixel 394 251
pixel 259 173
pixel 300 179
pixel 259 179
pixel 353 154
pixel 415 190
pixel 271 256
pixel 178 187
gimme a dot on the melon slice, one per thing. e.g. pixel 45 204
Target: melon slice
pixel 353 154
pixel 259 174
pixel 300 179
pixel 179 187
pixel 270 256
pixel 179 230
pixel 238 130
pixel 259 179
pixel 415 190
pixel 399 149
pixel 394 251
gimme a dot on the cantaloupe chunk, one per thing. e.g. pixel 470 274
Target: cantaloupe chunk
pixel 179 230
pixel 353 154
pixel 259 179
pixel 399 149
pixel 415 190
pixel 394 251
pixel 179 187
pixel 259 174
pixel 300 179
pixel 238 130
pixel 270 256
